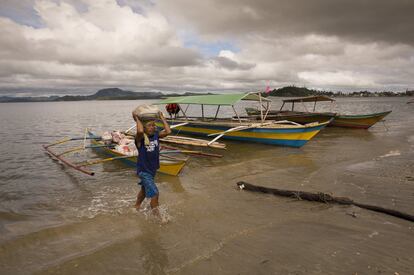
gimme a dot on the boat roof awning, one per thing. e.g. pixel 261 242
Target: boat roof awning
pixel 220 99
pixel 309 99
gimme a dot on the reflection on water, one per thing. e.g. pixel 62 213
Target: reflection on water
pixel 55 220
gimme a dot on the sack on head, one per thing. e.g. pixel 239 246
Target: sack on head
pixel 146 111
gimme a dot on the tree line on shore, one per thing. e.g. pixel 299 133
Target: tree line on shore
pixel 293 91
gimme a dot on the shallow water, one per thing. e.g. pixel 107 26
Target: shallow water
pixel 55 220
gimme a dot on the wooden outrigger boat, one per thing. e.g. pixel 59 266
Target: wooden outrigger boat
pixel 168 165
pixel 283 133
pixel 296 116
pixel 349 121
pixel 358 121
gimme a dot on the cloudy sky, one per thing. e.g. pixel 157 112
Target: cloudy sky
pixel 78 46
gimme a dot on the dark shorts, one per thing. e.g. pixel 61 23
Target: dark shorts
pixel 148 184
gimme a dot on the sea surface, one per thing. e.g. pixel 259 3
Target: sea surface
pixel 55 220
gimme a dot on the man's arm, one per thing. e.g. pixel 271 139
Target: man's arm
pixel 140 130
pixel 167 129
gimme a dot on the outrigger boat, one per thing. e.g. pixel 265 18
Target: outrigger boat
pixel 349 121
pixel 168 164
pixel 283 133
pixel 358 121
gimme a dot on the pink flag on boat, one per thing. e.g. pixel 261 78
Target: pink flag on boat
pixel 267 89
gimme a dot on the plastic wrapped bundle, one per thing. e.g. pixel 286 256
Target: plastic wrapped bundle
pixel 107 138
pixel 129 149
pixel 117 136
pixel 146 111
pixel 126 141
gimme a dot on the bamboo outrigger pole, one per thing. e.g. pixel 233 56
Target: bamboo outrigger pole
pixel 192 141
pixel 190 152
pixel 93 162
pixel 171 126
pixel 69 139
pixel 66 162
pixel 238 128
pixel 81 148
pixel 76 167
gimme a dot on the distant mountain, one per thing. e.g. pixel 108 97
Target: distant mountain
pixel 111 92
pixel 104 94
pixel 116 93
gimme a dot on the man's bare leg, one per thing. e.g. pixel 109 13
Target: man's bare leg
pixel 140 198
pixel 154 205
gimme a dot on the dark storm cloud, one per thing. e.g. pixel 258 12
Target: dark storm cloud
pixel 367 21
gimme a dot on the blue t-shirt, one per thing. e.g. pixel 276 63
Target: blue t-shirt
pixel 149 155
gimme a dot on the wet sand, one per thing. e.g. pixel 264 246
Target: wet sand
pixel 55 221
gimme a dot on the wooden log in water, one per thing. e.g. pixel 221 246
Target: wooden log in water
pixel 322 197
pixel 387 211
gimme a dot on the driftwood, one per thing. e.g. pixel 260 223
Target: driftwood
pixel 322 197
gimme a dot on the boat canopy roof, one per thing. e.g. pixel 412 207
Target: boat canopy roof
pixel 309 99
pixel 218 99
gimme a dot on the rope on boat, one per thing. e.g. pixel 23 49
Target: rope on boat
pixel 322 197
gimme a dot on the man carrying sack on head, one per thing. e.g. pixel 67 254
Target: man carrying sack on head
pixel 148 161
